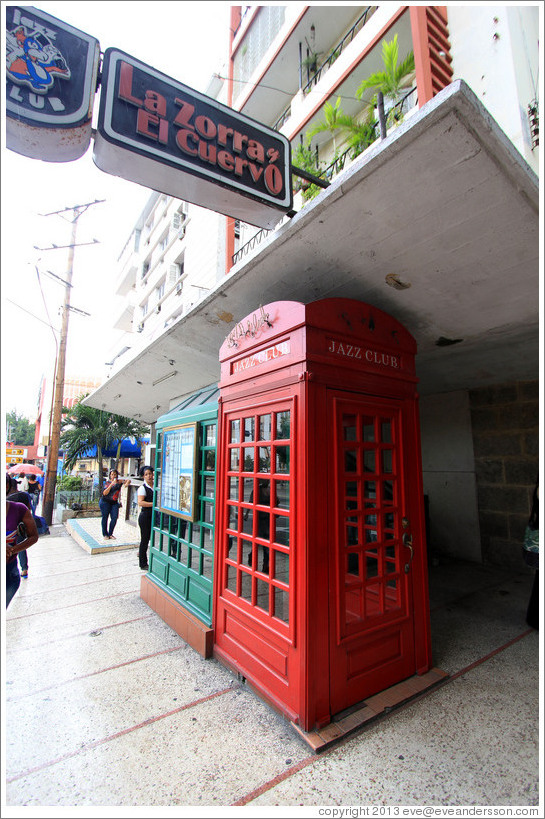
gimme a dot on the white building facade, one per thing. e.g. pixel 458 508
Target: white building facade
pixel 446 204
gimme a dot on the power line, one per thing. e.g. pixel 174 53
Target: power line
pixel 47 324
pixel 281 90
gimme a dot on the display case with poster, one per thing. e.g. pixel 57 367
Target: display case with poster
pixel 178 490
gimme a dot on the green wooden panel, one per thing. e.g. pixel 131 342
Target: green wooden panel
pixel 158 565
pixel 200 597
pixel 177 579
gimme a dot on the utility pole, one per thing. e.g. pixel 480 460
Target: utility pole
pixel 54 442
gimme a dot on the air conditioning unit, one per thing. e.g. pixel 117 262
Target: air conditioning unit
pixel 158 308
pixel 140 328
pixel 174 271
pixel 181 234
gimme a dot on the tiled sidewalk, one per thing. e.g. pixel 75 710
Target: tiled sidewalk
pixel 88 533
pixel 107 708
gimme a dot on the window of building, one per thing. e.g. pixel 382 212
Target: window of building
pixel 163 241
pixel 160 291
pixel 237 234
pixel 264 28
pixel 148 227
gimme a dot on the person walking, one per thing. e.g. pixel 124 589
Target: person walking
pixel 22 482
pixel 34 490
pixel 145 502
pixel 19 497
pixel 110 504
pixel 17 514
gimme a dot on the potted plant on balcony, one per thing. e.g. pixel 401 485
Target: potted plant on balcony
pixel 310 62
pixel 392 80
pixel 305 158
pixel 357 133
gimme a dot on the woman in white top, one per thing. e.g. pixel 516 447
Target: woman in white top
pixel 145 502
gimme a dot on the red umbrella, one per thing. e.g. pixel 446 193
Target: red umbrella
pixel 19 469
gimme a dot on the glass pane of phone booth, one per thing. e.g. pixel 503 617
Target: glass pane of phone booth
pixel 370 583
pixel 258 533
pixel 182 550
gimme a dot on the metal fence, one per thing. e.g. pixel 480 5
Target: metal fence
pixel 83 497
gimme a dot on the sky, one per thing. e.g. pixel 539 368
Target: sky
pixel 185 40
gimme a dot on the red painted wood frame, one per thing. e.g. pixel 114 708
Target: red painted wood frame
pixel 320 594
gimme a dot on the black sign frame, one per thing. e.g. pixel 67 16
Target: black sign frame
pixel 147 120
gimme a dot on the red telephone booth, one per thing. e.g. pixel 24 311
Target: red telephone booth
pixel 321 595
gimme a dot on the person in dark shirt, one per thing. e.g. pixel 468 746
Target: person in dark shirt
pixel 110 504
pixel 145 502
pixel 16 541
pixel 15 495
pixel 34 490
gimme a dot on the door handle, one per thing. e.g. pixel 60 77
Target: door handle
pixel 408 542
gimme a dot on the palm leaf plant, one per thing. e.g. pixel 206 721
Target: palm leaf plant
pixel 394 77
pixel 359 134
pixel 305 158
pixel 85 427
pixel 126 428
pixel 331 121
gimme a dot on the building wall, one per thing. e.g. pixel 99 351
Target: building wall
pixel 480 456
pixel 205 253
pixel 184 263
pixel 449 475
pixel 505 422
pixel 495 50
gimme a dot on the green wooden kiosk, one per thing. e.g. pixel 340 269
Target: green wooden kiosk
pixel 179 584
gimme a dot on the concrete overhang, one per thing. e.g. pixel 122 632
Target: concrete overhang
pixel 445 203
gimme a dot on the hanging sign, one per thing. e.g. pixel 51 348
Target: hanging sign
pixel 158 132
pixel 51 76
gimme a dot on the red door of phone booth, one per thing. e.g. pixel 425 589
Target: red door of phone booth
pixel 321 592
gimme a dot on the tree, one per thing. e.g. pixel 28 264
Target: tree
pixel 83 428
pixel 19 430
pixel 393 78
pixel 126 428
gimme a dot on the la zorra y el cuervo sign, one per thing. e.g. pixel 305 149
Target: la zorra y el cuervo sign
pixel 158 132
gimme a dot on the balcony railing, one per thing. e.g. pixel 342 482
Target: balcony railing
pixel 337 51
pixel 328 62
pixel 284 117
pixel 250 244
pixel 397 112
